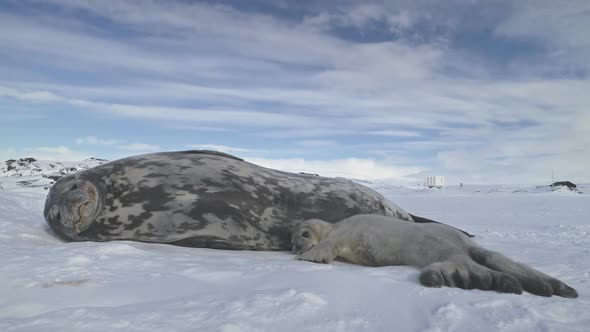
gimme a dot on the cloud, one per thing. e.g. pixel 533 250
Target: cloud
pixel 118 144
pixel 243 117
pixel 318 130
pixel 486 121
pixel 93 140
pixel 139 147
pixel 317 143
pixel 355 168
pixel 362 16
pixel 57 153
pixel 565 30
pixel 395 133
pixel 464 88
pixel 217 30
pixel 33 96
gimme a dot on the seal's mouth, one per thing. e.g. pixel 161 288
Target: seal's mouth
pixel 302 239
pixel 72 205
pixel 298 250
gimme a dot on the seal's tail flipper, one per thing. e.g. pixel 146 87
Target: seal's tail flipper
pixel 532 281
pixel 468 276
pixel 426 220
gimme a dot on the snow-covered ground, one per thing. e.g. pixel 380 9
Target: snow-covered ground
pixel 49 285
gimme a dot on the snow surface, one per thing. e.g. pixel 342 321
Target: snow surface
pixel 49 285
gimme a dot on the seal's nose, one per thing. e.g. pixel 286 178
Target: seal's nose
pixel 49 209
pixel 54 214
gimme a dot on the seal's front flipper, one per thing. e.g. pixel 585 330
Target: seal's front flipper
pixel 323 252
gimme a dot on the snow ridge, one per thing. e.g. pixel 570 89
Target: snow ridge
pixel 30 172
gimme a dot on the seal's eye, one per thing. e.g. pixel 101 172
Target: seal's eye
pixel 305 234
pixel 74 187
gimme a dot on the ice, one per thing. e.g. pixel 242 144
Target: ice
pixel 49 285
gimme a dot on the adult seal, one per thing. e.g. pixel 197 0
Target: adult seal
pixel 202 199
pixel 445 256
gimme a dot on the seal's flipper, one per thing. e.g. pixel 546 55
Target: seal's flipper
pixel 323 252
pixel 420 220
pixel 468 275
pixel 533 281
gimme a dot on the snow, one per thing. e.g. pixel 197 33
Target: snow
pixel 49 285
pixel 30 172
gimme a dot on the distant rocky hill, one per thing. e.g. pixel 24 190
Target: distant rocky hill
pixel 30 172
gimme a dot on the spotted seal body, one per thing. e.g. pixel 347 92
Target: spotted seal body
pixel 447 257
pixel 201 199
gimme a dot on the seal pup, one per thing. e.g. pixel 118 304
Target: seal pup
pixel 446 256
pixel 202 198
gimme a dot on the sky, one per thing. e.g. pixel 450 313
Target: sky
pixel 476 91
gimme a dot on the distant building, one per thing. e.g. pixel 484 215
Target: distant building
pixel 435 181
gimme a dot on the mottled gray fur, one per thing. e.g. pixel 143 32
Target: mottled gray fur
pixel 201 199
pixel 446 256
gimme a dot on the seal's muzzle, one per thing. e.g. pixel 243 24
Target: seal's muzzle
pixel 72 205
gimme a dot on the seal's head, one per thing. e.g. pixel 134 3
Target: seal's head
pixel 72 205
pixel 308 233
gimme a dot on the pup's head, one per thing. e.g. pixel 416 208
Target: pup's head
pixel 308 233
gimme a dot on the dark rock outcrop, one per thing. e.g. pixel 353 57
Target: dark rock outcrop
pixel 568 184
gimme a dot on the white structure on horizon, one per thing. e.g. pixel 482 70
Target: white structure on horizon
pixel 435 181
